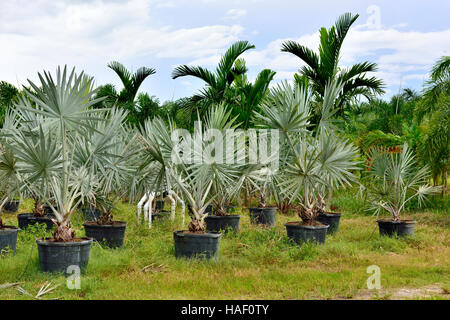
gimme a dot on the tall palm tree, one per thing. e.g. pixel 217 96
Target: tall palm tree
pixel 219 81
pixel 131 84
pixel 323 68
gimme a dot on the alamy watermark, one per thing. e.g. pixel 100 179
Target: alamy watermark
pixel 73 281
pixel 374 281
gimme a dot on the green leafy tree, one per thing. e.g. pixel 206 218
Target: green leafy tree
pixel 109 94
pixel 147 107
pixel 8 96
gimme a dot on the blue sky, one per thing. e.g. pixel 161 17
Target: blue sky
pixel 403 37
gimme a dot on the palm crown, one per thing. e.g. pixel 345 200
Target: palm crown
pixel 219 81
pixel 323 68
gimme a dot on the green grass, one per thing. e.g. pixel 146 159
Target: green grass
pixel 254 264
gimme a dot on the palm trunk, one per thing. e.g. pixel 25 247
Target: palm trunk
pixel 245 199
pixel 445 183
pixel 435 179
pixel 330 197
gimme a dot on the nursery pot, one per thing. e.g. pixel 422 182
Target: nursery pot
pixel 48 209
pixel 222 223
pixel 91 214
pixel 110 235
pixel 161 215
pixel 27 219
pixel 209 208
pixel 331 219
pixel 193 245
pixel 159 205
pixel 401 228
pixel 300 233
pixel 58 256
pixel 264 216
pixel 8 239
pixel 11 206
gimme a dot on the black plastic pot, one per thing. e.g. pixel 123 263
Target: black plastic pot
pixel 91 214
pixel 191 245
pixel 11 206
pixel 209 208
pixel 8 239
pixel 110 235
pixel 24 220
pixel 58 256
pixel 400 228
pixel 160 205
pixel 264 216
pixel 222 223
pixel 27 219
pixel 48 209
pixel 330 219
pixel 301 234
pixel 161 215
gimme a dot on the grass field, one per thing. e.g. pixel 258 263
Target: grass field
pixel 255 264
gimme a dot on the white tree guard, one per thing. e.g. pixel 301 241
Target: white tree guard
pixel 146 205
pixel 183 207
pixel 148 209
pixel 140 206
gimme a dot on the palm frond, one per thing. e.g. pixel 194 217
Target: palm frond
pixel 198 72
pixel 123 73
pixel 304 53
pixel 228 60
pixel 139 76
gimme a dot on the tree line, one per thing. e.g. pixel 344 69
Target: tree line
pixel 419 118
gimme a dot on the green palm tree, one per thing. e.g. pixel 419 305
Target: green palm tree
pixel 395 180
pixel 131 84
pixel 249 95
pixel 313 163
pixel 219 81
pixel 437 86
pixel 322 68
pixel 432 113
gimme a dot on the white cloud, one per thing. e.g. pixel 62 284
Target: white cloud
pixel 42 34
pixel 235 14
pixel 401 55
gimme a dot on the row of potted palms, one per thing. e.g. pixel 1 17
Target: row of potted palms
pixel 65 154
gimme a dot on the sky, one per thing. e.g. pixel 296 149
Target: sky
pixel 404 38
